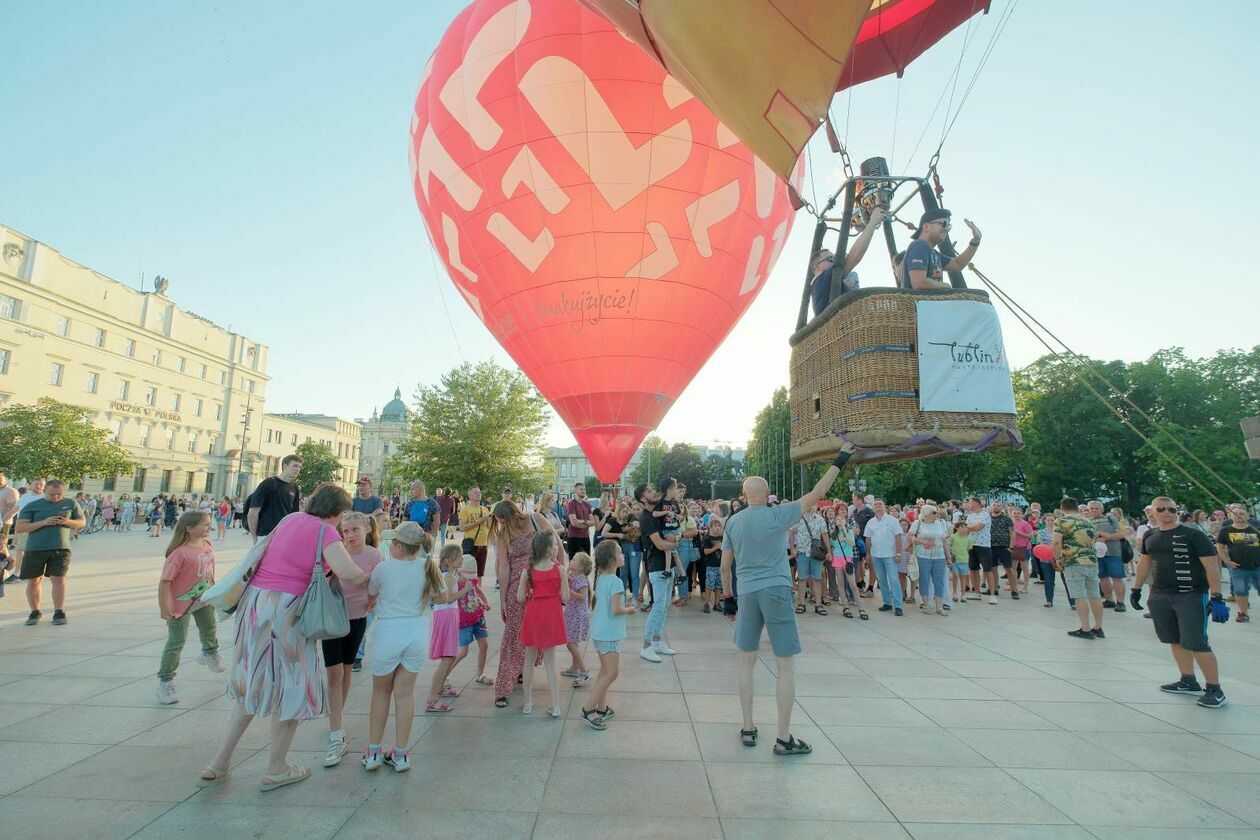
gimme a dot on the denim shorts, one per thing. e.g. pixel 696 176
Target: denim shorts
pixel 1242 581
pixel 1110 567
pixel 607 647
pixel 961 569
pixel 713 578
pixel 807 568
pixel 471 632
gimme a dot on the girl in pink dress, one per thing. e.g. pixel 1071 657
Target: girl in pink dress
pixel 444 632
pixel 544 590
pixel 577 616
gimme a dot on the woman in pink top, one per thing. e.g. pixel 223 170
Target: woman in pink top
pixel 275 669
pixel 1021 544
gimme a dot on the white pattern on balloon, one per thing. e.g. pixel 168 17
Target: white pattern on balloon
pixel 433 160
pixel 529 252
pixel 707 211
pixel 494 43
pixel 450 234
pixel 527 169
pixel 661 261
pixel 751 275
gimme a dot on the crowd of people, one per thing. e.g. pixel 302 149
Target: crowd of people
pixel 568 571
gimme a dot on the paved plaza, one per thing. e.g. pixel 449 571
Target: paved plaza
pixel 991 722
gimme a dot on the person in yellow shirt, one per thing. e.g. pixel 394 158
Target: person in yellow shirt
pixel 474 524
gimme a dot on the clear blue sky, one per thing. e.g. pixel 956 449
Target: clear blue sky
pixel 255 154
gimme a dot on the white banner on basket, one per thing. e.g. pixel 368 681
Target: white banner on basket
pixel 962 360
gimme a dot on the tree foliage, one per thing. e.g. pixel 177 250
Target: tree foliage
pixel 54 440
pixel 319 465
pixel 682 462
pixel 482 424
pixel 651 455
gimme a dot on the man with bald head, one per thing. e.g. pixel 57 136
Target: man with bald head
pixel 753 547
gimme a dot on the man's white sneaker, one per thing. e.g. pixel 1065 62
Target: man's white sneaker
pixel 336 752
pixel 649 654
pixel 166 692
pixel 973 596
pixel 992 599
pixel 663 649
pixel 212 661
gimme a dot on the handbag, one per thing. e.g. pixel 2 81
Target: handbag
pixel 817 551
pixel 322 611
pixel 227 590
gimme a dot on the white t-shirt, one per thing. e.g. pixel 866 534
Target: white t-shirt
pixel 398 585
pixel 938 531
pixel 984 536
pixel 881 536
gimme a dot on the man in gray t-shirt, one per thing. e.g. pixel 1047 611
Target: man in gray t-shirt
pixel 755 547
pixel 48 522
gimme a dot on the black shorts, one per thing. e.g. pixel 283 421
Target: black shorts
pixel 1001 556
pixel 344 650
pixel 576 544
pixel 979 557
pixel 1181 618
pixel 53 562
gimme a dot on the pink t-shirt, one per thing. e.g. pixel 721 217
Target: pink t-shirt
pixel 1023 534
pixel 290 557
pixel 357 596
pixel 190 570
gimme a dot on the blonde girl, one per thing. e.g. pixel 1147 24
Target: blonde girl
pixel 544 591
pixel 359 537
pixel 405 587
pixel 577 617
pixel 444 635
pixel 608 628
pixel 188 572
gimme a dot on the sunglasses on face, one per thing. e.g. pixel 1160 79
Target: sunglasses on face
pixel 1162 509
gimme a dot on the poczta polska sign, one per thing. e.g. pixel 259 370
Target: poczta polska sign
pixel 145 411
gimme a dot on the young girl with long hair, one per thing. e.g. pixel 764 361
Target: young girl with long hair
pixel 405 587
pixel 608 628
pixel 188 572
pixel 444 633
pixel 577 617
pixel 544 591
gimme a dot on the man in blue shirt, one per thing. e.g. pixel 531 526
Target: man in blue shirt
pixel 924 266
pixel 754 543
pixel 422 510
pixel 828 284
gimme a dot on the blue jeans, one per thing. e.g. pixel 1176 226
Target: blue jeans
pixel 889 586
pixel 934 579
pixel 629 572
pixel 687 554
pixel 662 588
pixel 1047 578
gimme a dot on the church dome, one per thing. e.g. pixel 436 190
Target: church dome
pixel 394 411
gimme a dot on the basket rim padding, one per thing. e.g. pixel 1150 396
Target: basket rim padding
pixel 849 298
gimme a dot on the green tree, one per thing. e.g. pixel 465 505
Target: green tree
pixel 651 455
pixel 721 466
pixel 319 465
pixel 482 424
pixel 593 487
pixel 54 440
pixel 682 462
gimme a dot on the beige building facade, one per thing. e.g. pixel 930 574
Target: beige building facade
pixel 382 433
pixel 283 433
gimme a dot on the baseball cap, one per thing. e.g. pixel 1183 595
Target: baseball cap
pixel 409 533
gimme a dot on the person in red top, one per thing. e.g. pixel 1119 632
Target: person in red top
pixel 446 506
pixel 472 619
pixel 579 519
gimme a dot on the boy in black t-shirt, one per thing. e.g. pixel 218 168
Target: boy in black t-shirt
pixel 1185 589
pixel 711 563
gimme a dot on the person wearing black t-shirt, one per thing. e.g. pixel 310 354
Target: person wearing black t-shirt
pixel 1238 543
pixel 1185 590
pixel 657 549
pixel 274 498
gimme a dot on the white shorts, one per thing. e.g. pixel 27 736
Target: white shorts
pixel 398 641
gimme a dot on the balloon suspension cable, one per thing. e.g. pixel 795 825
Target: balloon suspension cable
pixel 1020 314
pixel 437 276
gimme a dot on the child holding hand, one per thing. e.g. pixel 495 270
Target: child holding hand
pixel 608 628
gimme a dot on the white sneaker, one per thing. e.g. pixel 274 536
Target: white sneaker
pixel 942 611
pixel 400 761
pixel 372 761
pixel 554 711
pixel 166 693
pixel 336 751
pixel 973 596
pixel 663 649
pixel 212 661
pixel 992 599
pixel 649 654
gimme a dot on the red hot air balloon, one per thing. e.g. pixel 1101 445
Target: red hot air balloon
pixel 599 220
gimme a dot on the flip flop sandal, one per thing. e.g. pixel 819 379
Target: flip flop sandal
pixel 500 702
pixel 800 609
pixel 448 691
pixel 291 775
pixel 792 746
pixel 846 612
pixel 434 706
pixel 820 610
pixel 484 680
pixel 216 776
pixel 862 615
pixel 593 717
pixel 749 736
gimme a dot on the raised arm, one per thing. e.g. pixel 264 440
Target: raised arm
pixel 961 261
pixel 863 241
pixel 810 499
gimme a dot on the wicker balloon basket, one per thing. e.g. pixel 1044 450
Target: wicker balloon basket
pixel 855 376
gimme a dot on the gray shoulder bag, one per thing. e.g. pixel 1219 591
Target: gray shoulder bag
pixel 322 613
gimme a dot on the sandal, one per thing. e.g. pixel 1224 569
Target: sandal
pixel 800 609
pixel 846 612
pixel 607 713
pixel 448 691
pixel 792 746
pixel 500 702
pixel 436 706
pixel 484 680
pixel 749 736
pixel 291 775
pixel 212 776
pixel 820 610
pixel 593 717
pixel 862 615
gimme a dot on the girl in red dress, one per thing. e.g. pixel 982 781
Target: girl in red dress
pixel 544 591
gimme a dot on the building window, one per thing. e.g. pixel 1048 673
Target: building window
pixel 130 347
pixel 385 448
pixel 175 401
pixel 157 357
pixel 188 481
pixel 249 385
pixel 118 430
pixel 55 373
pixel 170 438
pixel 203 371
pixel 166 481
pixel 209 483
pixel 145 432
pixel 137 481
pixel 218 411
pixel 63 326
pixel 111 482
pixel 98 338
pixel 192 442
pixel 150 396
pixel 10 308
pixel 124 389
pixel 4 360
pixel 223 377
pixel 211 445
pixel 197 407
pixel 293 440
pixel 93 379
pixel 180 364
